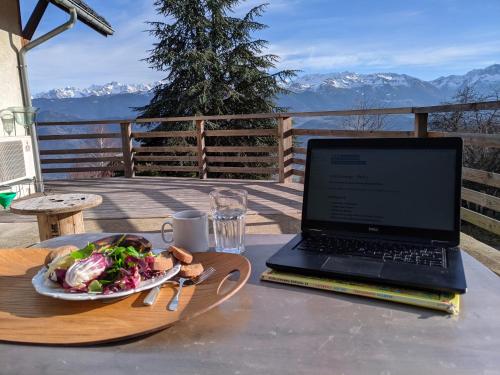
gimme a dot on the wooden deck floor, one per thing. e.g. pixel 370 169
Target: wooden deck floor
pixel 155 197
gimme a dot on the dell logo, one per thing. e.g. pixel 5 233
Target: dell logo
pixel 373 229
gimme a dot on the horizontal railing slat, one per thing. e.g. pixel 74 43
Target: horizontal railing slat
pixel 242 132
pixel 242 159
pixel 166 149
pixel 250 149
pixel 479 106
pixel 165 158
pixel 81 160
pixel 482 177
pixel 166 168
pixel 298 172
pixel 485 140
pixel 165 134
pixel 352 133
pixel 482 221
pixel 84 122
pixel 243 170
pixel 299 161
pixel 83 169
pixel 482 199
pixel 299 150
pixel 81 151
pixel 58 137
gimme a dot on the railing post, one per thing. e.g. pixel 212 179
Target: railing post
pixel 202 155
pixel 128 157
pixel 285 156
pixel 421 120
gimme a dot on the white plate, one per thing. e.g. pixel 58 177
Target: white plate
pixel 54 290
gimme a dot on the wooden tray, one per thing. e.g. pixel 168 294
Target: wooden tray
pixel 27 317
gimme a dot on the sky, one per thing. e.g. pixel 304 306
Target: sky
pixel 423 38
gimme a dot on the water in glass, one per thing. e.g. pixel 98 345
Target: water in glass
pixel 228 214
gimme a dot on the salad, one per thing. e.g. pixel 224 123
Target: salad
pixel 103 269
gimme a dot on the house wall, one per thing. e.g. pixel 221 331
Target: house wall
pixel 10 43
pixel 11 94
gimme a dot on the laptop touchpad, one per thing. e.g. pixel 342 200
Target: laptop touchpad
pixel 353 266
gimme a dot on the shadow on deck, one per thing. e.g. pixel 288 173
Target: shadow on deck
pixel 125 200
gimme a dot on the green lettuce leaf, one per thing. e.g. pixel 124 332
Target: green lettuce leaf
pixel 83 253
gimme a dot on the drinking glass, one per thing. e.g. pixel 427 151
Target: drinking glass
pixel 229 207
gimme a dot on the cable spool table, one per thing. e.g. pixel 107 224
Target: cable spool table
pixel 59 214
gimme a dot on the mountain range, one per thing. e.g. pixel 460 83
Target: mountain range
pixel 311 92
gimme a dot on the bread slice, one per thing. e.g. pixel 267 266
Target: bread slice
pixel 191 270
pixel 163 262
pixel 181 254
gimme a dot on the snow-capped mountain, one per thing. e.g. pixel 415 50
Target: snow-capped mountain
pixel 351 80
pixel 483 79
pixel 111 88
pixel 311 92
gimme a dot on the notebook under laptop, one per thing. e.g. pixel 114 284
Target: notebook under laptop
pixel 382 210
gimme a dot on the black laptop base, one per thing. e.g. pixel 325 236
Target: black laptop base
pixel 449 279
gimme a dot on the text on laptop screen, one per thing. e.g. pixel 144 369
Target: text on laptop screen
pixel 412 188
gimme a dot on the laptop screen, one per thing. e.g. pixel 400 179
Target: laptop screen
pixel 383 187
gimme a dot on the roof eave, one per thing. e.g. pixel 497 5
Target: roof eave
pixel 85 17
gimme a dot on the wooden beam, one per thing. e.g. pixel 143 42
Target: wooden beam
pixel 81 151
pixel 250 149
pixel 284 146
pixel 34 20
pixel 81 160
pixel 127 147
pixel 242 159
pixel 298 172
pixel 83 169
pixel 167 134
pixel 481 177
pixel 83 122
pixel 421 120
pixel 166 149
pixel 58 137
pixel 165 158
pixel 200 144
pixel 299 150
pixel 242 133
pixel 481 221
pixel 165 168
pixel 482 199
pixel 257 170
pixel 468 107
pixel 481 139
pixel 353 133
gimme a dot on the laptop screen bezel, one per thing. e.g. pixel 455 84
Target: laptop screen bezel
pixel 451 237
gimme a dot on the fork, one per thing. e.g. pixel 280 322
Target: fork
pixel 153 294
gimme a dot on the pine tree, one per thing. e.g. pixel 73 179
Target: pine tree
pixel 213 66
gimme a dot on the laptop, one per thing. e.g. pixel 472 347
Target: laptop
pixel 380 210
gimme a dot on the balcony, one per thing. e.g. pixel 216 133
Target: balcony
pixel 115 165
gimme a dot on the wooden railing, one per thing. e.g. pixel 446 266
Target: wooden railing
pixel 284 161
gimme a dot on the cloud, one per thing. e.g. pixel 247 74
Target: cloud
pixel 399 40
pixel 337 55
pixel 81 57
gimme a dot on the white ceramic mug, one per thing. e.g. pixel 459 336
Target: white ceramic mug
pixel 190 230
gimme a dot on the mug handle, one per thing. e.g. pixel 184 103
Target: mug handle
pixel 168 222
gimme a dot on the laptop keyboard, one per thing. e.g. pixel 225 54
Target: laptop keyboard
pixel 385 251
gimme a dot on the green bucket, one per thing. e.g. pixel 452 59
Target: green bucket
pixel 7 198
